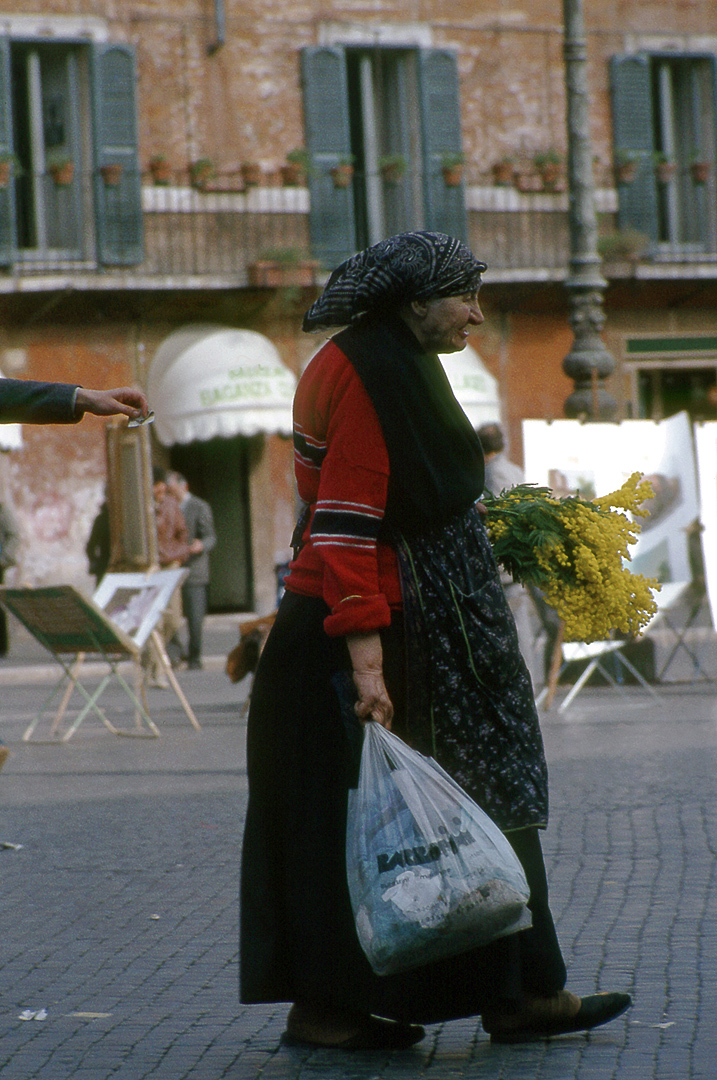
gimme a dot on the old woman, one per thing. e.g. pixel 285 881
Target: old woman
pixel 394 591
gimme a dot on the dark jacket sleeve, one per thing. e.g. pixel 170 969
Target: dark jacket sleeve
pixel 26 402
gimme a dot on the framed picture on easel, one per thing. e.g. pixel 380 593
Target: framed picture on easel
pixel 134 602
pixel 133 533
pixel 596 458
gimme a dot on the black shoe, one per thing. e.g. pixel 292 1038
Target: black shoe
pixel 194 665
pixel 562 1014
pixel 373 1033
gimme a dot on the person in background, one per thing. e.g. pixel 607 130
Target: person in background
pixel 98 547
pixel 705 408
pixel 173 550
pixel 23 401
pixel 9 547
pixel 195 588
pixel 500 472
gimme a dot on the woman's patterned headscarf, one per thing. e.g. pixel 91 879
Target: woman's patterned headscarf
pixel 406 267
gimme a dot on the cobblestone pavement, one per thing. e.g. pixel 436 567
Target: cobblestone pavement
pixel 119 913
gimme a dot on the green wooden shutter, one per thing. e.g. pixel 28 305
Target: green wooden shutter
pixel 118 209
pixel 632 121
pixel 328 139
pixel 7 194
pixel 445 208
pixel 713 65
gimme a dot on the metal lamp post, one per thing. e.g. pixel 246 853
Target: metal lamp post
pixel 588 363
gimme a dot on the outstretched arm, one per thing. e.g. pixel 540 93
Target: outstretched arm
pixel 125 400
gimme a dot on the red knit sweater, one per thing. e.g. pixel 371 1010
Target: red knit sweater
pixel 342 470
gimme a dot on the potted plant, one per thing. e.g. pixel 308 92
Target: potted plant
pixel 526 179
pixel 623 245
pixel 452 169
pixel 625 163
pixel 201 172
pixel 503 171
pixel 342 172
pixel 251 173
pixel 392 168
pixel 9 165
pixel 665 167
pixel 296 169
pixel 280 267
pixel 112 173
pixel 700 168
pixel 549 166
pixel 161 170
pixel 62 170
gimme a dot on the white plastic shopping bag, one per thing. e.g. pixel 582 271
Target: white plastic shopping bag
pixel 430 875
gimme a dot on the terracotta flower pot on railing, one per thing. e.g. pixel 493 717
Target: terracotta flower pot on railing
pixel 549 166
pixel 62 172
pixel 392 169
pixel 292 174
pixel 700 171
pixel 282 270
pixel 503 172
pixel 527 181
pixel 111 174
pixel 452 175
pixel 665 169
pixel 251 173
pixel 342 174
pixel 625 172
pixel 452 169
pixel 296 168
pixel 201 172
pixel 161 171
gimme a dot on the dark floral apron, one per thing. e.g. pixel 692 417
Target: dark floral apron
pixel 470 701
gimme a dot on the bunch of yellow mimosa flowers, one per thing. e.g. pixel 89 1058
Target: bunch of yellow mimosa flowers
pixel 575 551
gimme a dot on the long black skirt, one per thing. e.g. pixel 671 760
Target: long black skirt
pixel 298 940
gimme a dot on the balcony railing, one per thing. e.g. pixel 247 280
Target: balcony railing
pixel 129 235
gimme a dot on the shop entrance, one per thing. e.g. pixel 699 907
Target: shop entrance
pixel 218 470
pixel 661 390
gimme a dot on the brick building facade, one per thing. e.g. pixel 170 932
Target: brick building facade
pixel 97 272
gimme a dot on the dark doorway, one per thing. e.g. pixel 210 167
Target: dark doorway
pixel 664 391
pixel 218 471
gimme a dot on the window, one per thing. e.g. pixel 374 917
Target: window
pixel 665 391
pixel 383 122
pixel 73 106
pixel 664 107
pixel 374 105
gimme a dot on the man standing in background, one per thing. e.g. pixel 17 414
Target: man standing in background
pixel 202 538
pixel 173 550
pixel 9 548
pixel 500 472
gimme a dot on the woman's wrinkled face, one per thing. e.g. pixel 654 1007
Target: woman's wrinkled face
pixel 447 322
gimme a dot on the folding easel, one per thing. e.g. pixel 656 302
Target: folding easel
pixel 596 651
pixel 136 602
pixel 699 600
pixel 71 626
